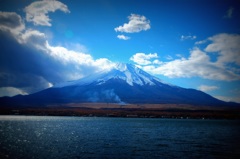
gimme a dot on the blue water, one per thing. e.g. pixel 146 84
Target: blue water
pixel 32 137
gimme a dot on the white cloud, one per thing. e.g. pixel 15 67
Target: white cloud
pixel 77 47
pixel 78 59
pixel 168 57
pixel 229 13
pixel 206 88
pixel 188 37
pixel 37 12
pixel 11 91
pixel 228 99
pixel 136 23
pixel 200 42
pixel 68 56
pixel 143 59
pixel 157 62
pixel 179 55
pixel 227 47
pixel 123 37
pixel 226 67
pixel 33 38
pixel 198 64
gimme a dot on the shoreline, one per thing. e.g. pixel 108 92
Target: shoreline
pixel 172 113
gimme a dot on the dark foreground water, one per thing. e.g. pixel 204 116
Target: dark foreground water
pixel 31 137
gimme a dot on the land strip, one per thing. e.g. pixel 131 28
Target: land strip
pixel 128 110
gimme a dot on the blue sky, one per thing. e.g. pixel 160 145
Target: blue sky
pixel 189 43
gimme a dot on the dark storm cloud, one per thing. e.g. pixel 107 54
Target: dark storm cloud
pixel 20 65
pixel 10 19
pixel 28 60
pixel 29 63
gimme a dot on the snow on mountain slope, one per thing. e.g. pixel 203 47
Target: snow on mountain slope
pixel 124 83
pixel 127 72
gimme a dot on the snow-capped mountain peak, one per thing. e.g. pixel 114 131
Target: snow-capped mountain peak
pixel 121 66
pixel 124 83
pixel 133 75
pixel 127 72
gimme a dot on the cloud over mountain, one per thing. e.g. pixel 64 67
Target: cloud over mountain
pixel 206 88
pixel 199 63
pixel 143 59
pixel 33 63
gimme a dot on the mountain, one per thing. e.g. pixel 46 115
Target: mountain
pixel 123 84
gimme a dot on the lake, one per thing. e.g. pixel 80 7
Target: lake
pixel 31 137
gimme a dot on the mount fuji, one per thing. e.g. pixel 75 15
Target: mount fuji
pixel 123 84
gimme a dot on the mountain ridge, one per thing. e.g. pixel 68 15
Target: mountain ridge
pixel 128 72
pixel 123 84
